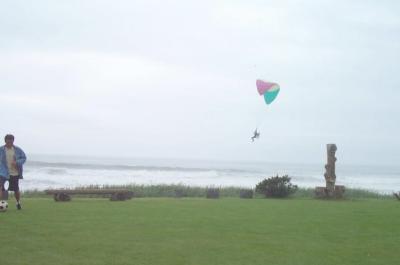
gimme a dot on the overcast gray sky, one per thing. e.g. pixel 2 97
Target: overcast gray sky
pixel 176 79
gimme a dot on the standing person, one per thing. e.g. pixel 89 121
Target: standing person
pixel 11 167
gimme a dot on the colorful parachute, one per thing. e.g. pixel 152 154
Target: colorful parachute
pixel 267 89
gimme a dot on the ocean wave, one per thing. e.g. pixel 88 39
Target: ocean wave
pixel 42 175
pixel 57 167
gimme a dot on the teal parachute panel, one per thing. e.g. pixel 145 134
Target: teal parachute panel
pixel 270 96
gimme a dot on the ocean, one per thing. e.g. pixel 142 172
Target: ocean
pixel 46 171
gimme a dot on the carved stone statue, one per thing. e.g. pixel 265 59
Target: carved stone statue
pixel 330 176
pixel 330 190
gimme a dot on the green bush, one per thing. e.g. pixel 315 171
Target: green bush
pixel 212 193
pixel 276 187
pixel 246 194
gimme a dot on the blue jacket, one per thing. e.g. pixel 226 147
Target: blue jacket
pixel 20 159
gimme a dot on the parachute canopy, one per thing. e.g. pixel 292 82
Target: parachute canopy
pixel 269 90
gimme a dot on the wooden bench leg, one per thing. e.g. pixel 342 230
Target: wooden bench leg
pixel 118 196
pixel 62 197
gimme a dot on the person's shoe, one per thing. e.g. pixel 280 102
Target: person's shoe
pixel 19 206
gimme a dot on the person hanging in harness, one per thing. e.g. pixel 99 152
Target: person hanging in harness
pixel 256 135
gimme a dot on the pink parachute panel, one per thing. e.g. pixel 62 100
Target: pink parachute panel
pixel 263 86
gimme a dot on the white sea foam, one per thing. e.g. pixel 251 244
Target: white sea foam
pixel 60 172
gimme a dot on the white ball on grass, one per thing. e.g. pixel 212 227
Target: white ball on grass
pixel 3 206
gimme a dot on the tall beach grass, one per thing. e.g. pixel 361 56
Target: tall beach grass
pixel 179 190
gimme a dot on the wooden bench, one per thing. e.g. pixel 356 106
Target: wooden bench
pixel 114 194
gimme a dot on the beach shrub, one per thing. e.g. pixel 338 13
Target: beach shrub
pixel 180 192
pixel 212 193
pixel 246 193
pixel 276 187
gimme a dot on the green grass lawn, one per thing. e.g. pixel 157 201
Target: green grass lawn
pixel 200 231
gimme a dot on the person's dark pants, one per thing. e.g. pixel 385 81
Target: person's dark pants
pixel 14 186
pixel 13 183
